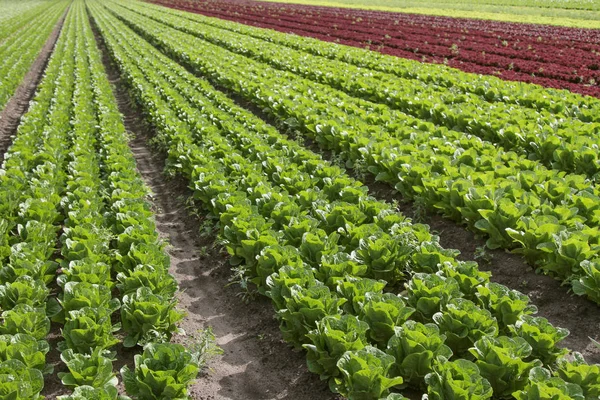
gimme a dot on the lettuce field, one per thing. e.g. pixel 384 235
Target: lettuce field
pixel 240 200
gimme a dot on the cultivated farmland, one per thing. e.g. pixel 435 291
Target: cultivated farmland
pixel 183 186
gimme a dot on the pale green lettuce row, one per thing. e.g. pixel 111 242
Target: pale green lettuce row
pixel 264 250
pixel 12 24
pixel 120 243
pixel 32 180
pixel 515 202
pixel 559 142
pixel 20 50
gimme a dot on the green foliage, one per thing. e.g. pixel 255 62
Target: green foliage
pixel 147 317
pixel 146 275
pixel 24 290
pixel 457 380
pixel 429 293
pixel 579 372
pixel 415 347
pixel 541 336
pixel 87 329
pixel 17 382
pixel 77 295
pixel 25 319
pixel 501 362
pixel 90 393
pixel 93 369
pixel 334 336
pixel 505 304
pixel 365 374
pixel 463 323
pixel 304 308
pixel 542 386
pixel 162 371
pixel 27 349
pixel 383 312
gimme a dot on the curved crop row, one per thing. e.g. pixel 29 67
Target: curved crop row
pixel 551 218
pixel 313 240
pixel 564 143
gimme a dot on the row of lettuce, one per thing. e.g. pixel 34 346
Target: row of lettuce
pixel 556 136
pixel 331 258
pixel 17 14
pixel 21 41
pixel 78 243
pixel 491 88
pixel 549 216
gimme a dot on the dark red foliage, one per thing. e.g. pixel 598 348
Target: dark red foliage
pixel 558 57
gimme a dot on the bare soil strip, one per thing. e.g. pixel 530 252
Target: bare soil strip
pixel 18 104
pixel 256 363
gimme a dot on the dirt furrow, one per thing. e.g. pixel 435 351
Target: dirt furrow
pixel 256 363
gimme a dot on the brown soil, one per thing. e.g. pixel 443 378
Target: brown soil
pixel 256 364
pixel 19 102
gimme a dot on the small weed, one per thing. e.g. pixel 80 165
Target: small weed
pixel 240 277
pixel 482 254
pixel 204 251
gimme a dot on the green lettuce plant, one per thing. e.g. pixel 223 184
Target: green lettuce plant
pixel 24 290
pixel 543 386
pixel 576 370
pixel 333 336
pixel 463 323
pixel 17 382
pixel 429 293
pixel 456 380
pixel 162 371
pixel 77 295
pixel 542 336
pixel 501 361
pixel 505 304
pixel 383 312
pixel 304 308
pixel 25 319
pixel 88 328
pixel 147 317
pixel 355 291
pixel 365 374
pixel 27 349
pixel 145 275
pixel 93 369
pixel 91 393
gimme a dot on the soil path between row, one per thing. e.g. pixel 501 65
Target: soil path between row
pixel 18 104
pixel 256 364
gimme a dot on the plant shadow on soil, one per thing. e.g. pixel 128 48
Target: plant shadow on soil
pixel 256 363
